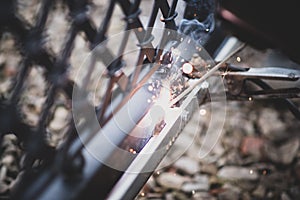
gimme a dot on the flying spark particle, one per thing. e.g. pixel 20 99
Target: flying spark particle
pixel 187 68
pixel 150 88
pixel 203 112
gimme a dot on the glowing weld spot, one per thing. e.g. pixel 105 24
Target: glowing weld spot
pixel 202 112
pixel 187 68
pixel 131 150
pixel 150 88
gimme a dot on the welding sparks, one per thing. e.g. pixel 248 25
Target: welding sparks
pixel 203 112
pixel 131 150
pixel 150 88
pixel 187 68
pixel 206 75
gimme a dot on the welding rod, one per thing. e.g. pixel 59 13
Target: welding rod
pixel 206 75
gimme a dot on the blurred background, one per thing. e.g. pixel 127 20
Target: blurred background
pixel 256 157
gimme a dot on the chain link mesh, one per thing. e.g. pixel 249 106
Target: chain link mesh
pixel 38 40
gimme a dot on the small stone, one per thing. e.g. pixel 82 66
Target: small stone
pixel 60 119
pixel 294 191
pixel 270 195
pixel 283 154
pixel 232 140
pixel 159 189
pixel 201 178
pixel 179 195
pixel 285 196
pixel 169 196
pixel 221 162
pixel 208 169
pixel 239 121
pixel 187 165
pixel 246 196
pixel 237 173
pixel 260 191
pixel 194 186
pixel 232 158
pixel 218 149
pixel 8 140
pixel 271 126
pixel 3 173
pixel 252 146
pixel 229 195
pixel 171 180
pixel 199 183
pixel 246 185
pixel 154 196
pixel 228 186
pixel 8 160
pixel 203 196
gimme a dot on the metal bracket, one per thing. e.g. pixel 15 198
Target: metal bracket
pixel 236 82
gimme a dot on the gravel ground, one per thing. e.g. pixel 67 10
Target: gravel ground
pixel 256 157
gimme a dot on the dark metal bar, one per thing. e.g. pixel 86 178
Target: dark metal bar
pixel 169 14
pixel 100 36
pixel 43 15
